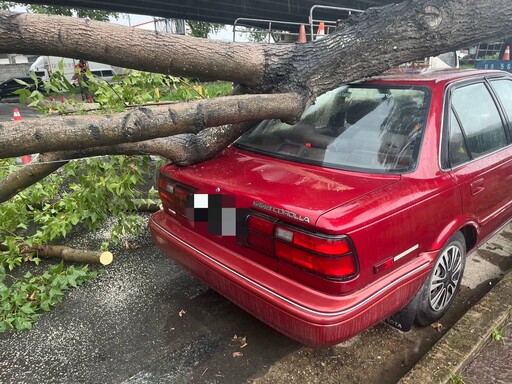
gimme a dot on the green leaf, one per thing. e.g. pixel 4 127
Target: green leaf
pixel 56 269
pixel 21 82
pixel 55 293
pixel 27 308
pixel 21 226
pixel 46 305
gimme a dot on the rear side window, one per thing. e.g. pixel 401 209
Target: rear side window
pixel 503 89
pixel 480 119
pixel 457 151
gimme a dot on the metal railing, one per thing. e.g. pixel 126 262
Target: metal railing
pixel 244 22
pixel 245 25
pixel 328 23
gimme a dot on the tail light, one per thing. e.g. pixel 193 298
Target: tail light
pixel 174 196
pixel 331 257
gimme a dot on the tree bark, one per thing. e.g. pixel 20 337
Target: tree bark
pixel 43 166
pixel 78 132
pixel 382 38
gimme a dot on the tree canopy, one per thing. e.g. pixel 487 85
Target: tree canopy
pixel 92 14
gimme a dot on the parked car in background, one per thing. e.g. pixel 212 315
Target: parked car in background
pixel 364 210
pixel 9 86
pixel 45 66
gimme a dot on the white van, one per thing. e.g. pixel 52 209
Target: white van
pixel 44 66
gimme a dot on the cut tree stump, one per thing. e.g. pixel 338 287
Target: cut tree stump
pixel 72 254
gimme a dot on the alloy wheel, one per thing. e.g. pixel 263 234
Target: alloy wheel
pixel 446 279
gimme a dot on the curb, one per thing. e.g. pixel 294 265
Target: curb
pixel 459 346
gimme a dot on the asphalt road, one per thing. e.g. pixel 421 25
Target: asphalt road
pixel 144 320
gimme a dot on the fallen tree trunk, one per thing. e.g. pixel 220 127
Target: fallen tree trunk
pixel 72 254
pixel 363 46
pixel 79 132
pixel 141 49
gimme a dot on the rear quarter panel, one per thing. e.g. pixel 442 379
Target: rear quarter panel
pixel 407 217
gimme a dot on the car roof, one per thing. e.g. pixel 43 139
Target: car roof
pixel 434 76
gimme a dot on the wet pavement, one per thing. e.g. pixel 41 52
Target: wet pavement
pixel 492 363
pixel 144 320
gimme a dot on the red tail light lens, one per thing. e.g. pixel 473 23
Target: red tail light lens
pixel 260 233
pixel 174 196
pixel 259 224
pixel 333 267
pixel 328 256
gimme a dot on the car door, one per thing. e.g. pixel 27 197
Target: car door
pixel 479 153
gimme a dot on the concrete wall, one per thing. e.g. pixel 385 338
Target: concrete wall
pixel 13 70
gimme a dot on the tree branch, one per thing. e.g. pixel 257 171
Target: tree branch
pixel 78 132
pixel 30 174
pixel 182 149
pixel 72 254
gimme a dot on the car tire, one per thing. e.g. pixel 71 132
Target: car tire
pixel 443 283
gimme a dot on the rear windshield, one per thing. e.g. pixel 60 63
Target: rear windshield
pixel 370 129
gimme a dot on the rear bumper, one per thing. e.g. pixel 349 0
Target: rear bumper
pixel 308 316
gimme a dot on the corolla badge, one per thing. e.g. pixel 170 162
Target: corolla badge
pixel 280 211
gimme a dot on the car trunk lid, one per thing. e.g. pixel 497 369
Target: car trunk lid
pixel 289 191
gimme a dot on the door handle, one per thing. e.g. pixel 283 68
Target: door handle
pixel 477 186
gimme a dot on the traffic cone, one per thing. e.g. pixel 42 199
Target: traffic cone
pixel 27 158
pixel 321 30
pixel 506 54
pixel 16 114
pixel 302 34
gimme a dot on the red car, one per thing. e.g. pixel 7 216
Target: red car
pixel 363 211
